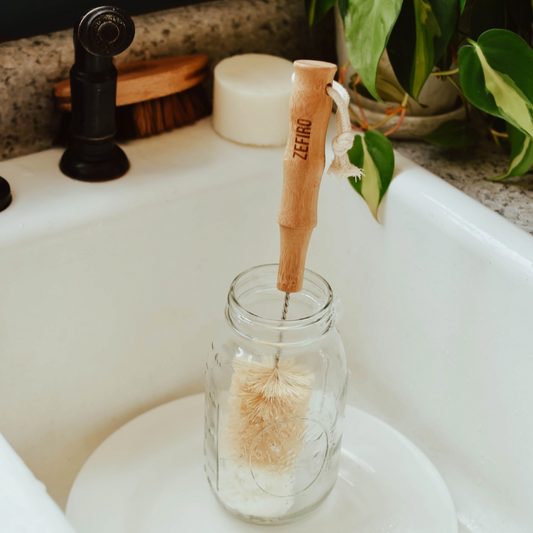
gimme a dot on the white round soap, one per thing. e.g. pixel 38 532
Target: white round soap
pixel 251 99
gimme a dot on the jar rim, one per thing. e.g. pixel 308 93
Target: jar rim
pixel 310 276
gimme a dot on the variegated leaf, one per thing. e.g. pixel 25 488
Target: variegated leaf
pixel 521 157
pixel 427 29
pixel 419 40
pixel 497 77
pixel 373 153
pixel 367 26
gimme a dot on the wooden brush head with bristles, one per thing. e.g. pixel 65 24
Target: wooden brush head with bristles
pixel 162 114
pixel 265 395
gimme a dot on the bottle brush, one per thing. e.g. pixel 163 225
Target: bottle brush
pixel 269 398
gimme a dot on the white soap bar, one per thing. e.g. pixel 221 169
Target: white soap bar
pixel 251 99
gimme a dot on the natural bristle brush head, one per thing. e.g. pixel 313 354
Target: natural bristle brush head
pixel 268 402
pixel 152 117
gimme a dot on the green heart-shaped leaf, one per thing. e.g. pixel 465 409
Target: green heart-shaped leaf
pixel 521 157
pixel 497 77
pixel 367 26
pixel 373 153
pixel 419 39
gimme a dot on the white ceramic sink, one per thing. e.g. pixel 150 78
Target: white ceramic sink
pixel 110 293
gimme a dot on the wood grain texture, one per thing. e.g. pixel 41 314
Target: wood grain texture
pixel 146 80
pixel 303 166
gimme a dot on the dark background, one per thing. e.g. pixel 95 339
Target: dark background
pixel 26 18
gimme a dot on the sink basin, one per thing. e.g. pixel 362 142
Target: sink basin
pixel 110 294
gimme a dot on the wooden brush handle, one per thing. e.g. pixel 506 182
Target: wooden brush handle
pixel 147 80
pixel 303 166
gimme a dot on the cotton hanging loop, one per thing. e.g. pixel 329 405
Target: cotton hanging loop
pixel 341 167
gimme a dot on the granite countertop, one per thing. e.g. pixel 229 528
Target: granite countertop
pixel 222 28
pixel 467 169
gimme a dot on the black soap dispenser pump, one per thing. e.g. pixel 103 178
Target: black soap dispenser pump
pixel 92 154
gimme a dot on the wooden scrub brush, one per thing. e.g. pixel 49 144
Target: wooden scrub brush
pixel 275 389
pixel 152 96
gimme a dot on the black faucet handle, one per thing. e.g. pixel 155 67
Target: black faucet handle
pixel 106 31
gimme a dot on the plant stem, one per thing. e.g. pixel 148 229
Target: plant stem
pixel 386 119
pixel 461 94
pixel 402 108
pixel 342 71
pixel 498 133
pixel 444 72
pixel 363 124
pixel 459 90
pixel 398 124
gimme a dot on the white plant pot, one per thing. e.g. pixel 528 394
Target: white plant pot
pixel 440 99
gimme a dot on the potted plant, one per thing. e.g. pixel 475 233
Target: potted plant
pixel 486 43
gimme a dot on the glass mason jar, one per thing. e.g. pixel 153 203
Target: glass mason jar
pixel 275 397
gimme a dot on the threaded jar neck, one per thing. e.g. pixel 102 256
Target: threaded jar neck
pixel 255 307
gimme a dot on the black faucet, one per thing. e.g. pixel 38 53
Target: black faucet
pixel 92 154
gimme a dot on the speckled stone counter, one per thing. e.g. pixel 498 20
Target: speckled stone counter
pixel 30 67
pixel 468 168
